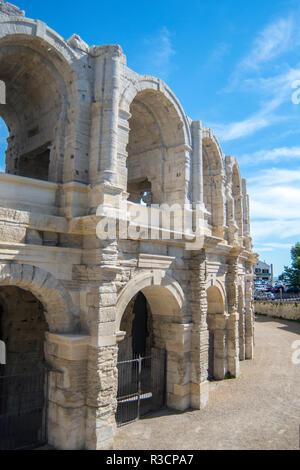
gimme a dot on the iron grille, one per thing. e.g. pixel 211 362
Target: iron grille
pixel 23 411
pixel 141 386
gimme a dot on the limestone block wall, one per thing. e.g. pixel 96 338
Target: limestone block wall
pixel 288 310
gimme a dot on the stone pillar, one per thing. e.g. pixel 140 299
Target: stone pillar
pixel 102 382
pixel 105 114
pixel 178 374
pixel 219 369
pixel 249 324
pixel 232 322
pixel 175 338
pixel 197 162
pixel 102 377
pixel 246 217
pixel 200 334
pixel 219 205
pixel 67 356
pixel 241 311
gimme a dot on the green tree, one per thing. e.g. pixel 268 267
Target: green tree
pixel 292 274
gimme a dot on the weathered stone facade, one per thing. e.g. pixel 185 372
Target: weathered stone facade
pixel 86 131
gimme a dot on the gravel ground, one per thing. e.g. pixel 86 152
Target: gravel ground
pixel 259 410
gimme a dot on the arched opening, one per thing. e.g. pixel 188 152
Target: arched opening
pixel 156 153
pixel 141 366
pixel 162 336
pixel 217 358
pixel 36 108
pixel 136 323
pixel 213 187
pixel 23 386
pixel 4 134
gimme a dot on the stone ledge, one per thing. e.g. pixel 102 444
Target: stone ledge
pixel 69 347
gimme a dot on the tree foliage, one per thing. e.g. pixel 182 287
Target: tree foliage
pixel 292 274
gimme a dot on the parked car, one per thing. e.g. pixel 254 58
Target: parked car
pixel 292 290
pixel 277 289
pixel 264 296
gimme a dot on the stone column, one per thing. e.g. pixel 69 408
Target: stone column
pixel 197 162
pixel 219 330
pixel 232 322
pixel 246 217
pixel 218 203
pixel 200 334
pixel 102 377
pixel 241 311
pixel 249 324
pixel 175 338
pixel 105 114
pixel 67 384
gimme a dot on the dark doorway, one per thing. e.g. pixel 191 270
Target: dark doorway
pixel 35 164
pixel 141 386
pixel 139 326
pixel 23 379
pixel 141 365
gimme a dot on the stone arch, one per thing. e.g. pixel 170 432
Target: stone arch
pixel 47 87
pixel 147 82
pixel 219 286
pixel 215 301
pixel 213 181
pixel 12 25
pixel 60 312
pixel 158 132
pixel 172 299
pixel 217 333
pixel 166 300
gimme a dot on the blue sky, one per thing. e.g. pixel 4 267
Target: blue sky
pixel 233 65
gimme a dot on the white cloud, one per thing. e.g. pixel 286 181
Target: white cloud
pixel 247 127
pixel 276 91
pixel 272 176
pixel 274 207
pixel 273 155
pixel 160 53
pixel 273 246
pixel 275 39
pixel 274 229
pixel 274 202
pixel 217 54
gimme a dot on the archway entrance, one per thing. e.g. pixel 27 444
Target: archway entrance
pixel 217 363
pixel 35 109
pixel 141 366
pixel 22 378
pixel 156 142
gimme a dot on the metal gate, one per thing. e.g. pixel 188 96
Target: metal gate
pixel 22 410
pixel 141 386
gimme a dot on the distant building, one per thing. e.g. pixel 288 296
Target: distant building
pixel 263 271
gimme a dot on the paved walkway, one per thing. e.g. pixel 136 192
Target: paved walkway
pixel 259 410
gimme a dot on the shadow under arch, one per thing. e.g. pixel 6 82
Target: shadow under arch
pixel 41 98
pixel 166 339
pixel 217 362
pixel 214 182
pixel 61 314
pixel 164 294
pixel 158 136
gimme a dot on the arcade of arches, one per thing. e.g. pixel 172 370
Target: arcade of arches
pixel 88 135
